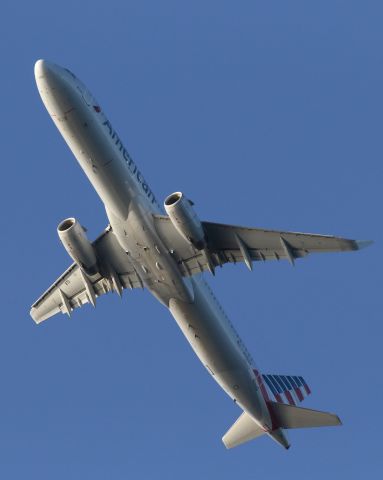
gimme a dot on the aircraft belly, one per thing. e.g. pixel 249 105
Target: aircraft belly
pixel 98 158
pixel 208 333
pixel 129 204
pixel 154 264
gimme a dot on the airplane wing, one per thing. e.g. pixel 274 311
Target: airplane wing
pixel 232 244
pixel 74 288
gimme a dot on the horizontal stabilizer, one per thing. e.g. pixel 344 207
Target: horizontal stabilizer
pixel 289 416
pixel 243 430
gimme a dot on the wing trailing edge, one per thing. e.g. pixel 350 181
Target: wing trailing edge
pixel 236 244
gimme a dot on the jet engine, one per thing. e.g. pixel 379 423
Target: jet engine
pixel 76 243
pixel 185 220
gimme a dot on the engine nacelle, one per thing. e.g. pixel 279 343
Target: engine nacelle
pixel 76 243
pixel 185 220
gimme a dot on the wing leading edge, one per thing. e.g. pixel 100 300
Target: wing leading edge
pixel 233 244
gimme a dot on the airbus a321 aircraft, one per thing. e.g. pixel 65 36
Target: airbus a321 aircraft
pixel 168 254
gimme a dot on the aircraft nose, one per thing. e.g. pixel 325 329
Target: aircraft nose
pixel 40 67
pixel 56 89
pixel 46 72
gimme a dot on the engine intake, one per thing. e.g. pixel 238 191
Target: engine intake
pixel 185 220
pixel 76 243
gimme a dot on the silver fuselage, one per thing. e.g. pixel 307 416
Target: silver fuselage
pixel 130 205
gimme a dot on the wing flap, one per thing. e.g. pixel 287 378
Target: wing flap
pixel 223 238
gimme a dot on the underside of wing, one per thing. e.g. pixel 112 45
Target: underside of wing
pixel 232 244
pixel 75 288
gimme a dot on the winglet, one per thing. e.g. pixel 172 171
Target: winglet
pixel 363 243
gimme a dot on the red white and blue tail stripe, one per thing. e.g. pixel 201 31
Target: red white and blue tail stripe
pixel 285 388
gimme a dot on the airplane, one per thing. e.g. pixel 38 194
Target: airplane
pixel 168 253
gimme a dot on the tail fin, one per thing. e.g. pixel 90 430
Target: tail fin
pixel 285 388
pixel 289 416
pixel 243 430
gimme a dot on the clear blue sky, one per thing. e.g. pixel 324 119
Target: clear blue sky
pixel 265 114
